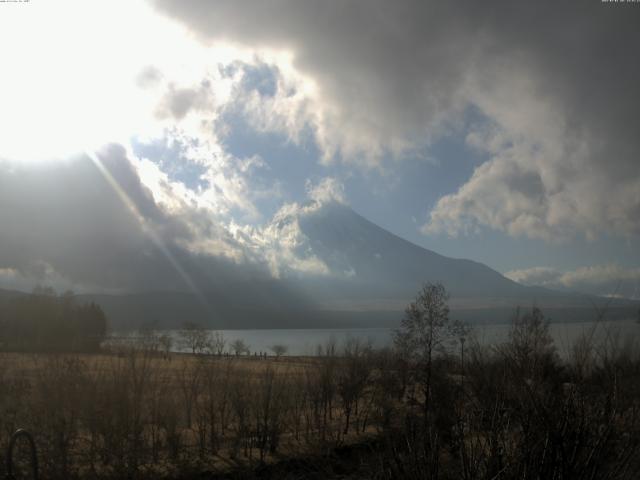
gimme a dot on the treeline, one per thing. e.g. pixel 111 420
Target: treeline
pixel 436 406
pixel 46 322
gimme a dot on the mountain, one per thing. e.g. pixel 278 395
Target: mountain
pixel 369 261
pixel 375 270
pixel 369 277
pixel 378 259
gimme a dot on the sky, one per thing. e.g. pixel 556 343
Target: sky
pixel 140 138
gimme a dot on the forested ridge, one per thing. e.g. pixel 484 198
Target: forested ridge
pixel 45 321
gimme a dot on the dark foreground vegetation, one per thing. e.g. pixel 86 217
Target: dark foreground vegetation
pixel 438 405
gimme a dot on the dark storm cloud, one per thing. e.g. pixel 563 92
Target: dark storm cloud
pixel 412 57
pixel 557 84
pixel 65 221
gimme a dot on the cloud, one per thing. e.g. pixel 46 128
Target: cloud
pixel 282 244
pixel 177 102
pixel 89 232
pixel 41 273
pixel 220 183
pixel 124 225
pixel 607 280
pixel 368 80
pixel 148 77
pixel 326 190
pixel 542 181
pixel 542 276
pixel 341 76
pixel 552 89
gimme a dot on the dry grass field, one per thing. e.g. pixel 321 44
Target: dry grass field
pixel 144 414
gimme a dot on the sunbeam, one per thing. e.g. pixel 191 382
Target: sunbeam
pixel 147 228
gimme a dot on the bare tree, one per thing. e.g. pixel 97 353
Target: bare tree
pixel 530 346
pixel 218 342
pixel 239 347
pixel 166 342
pixel 190 382
pixel 322 386
pixel 353 377
pixel 426 329
pixel 241 403
pixel 213 405
pixel 147 338
pixel 279 350
pixel 194 337
pixel 268 395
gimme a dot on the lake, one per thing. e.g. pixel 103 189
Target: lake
pixel 305 341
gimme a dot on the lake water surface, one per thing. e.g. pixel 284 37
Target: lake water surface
pixel 306 341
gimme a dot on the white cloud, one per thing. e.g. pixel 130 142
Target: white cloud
pixel 282 245
pixel 542 180
pixel 606 280
pixel 542 276
pixel 596 275
pixel 326 190
pixel 375 79
pixel 84 88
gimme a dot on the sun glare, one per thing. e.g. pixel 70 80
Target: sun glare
pixel 71 85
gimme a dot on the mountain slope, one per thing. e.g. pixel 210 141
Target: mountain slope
pixel 373 274
pixel 347 242
pixel 373 269
pixel 368 262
